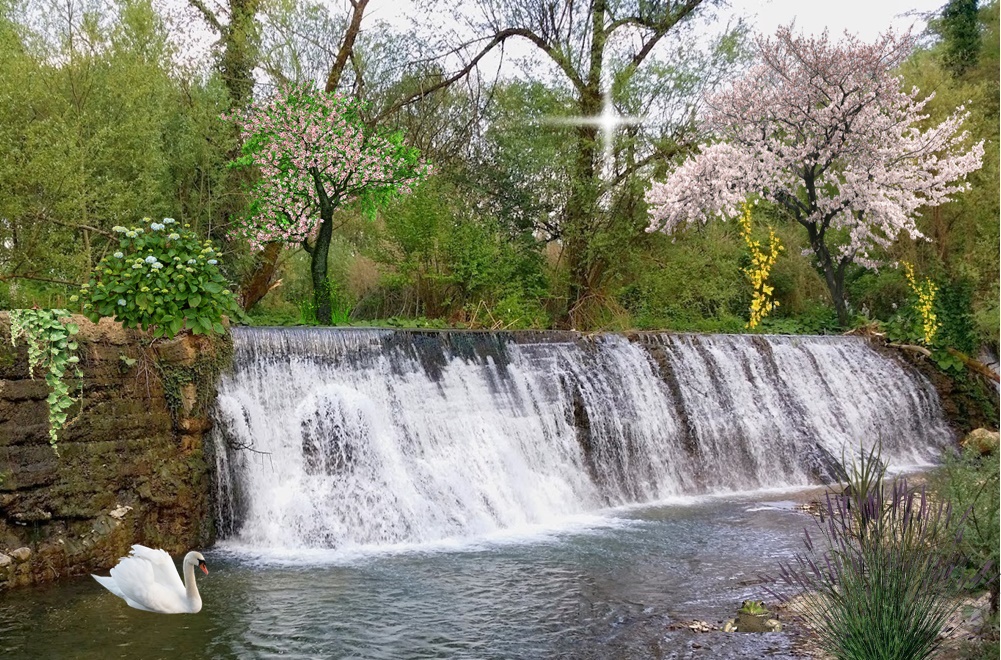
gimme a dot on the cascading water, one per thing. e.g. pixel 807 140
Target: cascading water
pixel 331 438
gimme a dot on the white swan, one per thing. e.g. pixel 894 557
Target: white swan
pixel 147 580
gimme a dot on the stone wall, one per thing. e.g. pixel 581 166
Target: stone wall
pixel 131 466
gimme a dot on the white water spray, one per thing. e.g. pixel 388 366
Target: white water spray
pixel 337 438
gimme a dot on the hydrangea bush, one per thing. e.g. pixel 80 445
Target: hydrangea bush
pixel 161 278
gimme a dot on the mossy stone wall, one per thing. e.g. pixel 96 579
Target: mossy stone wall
pixel 131 466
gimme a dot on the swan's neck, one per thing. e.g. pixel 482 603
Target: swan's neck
pixel 191 588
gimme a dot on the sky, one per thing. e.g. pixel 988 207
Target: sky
pixel 866 18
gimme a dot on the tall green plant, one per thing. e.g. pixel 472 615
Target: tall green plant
pixel 971 482
pixel 882 583
pixel 51 348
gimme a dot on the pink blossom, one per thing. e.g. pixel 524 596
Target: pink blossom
pixel 823 130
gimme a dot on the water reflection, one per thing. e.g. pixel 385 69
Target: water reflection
pixel 609 592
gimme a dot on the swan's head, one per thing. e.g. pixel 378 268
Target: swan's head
pixel 196 559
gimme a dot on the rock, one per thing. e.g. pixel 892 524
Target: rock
pixel 5 560
pixel 119 512
pixel 824 466
pixel 982 441
pixel 21 554
pixel 700 627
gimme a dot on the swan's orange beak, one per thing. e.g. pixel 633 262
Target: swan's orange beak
pixel 205 569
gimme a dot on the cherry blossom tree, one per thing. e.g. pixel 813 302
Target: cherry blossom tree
pixel 315 155
pixel 824 131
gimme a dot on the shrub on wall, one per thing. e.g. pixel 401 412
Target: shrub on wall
pixel 161 278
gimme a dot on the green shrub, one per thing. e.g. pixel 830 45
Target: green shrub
pixel 161 279
pixel 885 579
pixel 971 484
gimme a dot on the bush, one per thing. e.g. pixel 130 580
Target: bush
pixel 883 588
pixel 971 483
pixel 162 280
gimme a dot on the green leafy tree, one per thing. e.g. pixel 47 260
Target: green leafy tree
pixel 315 156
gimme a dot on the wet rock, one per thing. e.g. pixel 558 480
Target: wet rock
pixel 982 441
pixel 823 465
pixel 700 627
pixel 130 469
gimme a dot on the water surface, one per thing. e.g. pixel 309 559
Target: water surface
pixel 613 585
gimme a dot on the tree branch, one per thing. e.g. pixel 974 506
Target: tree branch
pixel 209 17
pixel 347 45
pixel 496 40
pixel 5 278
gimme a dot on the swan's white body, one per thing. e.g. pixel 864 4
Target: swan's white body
pixel 147 580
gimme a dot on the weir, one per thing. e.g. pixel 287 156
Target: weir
pixel 334 438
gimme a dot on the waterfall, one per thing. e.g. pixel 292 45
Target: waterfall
pixel 333 438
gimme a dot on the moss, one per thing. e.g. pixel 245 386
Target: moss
pixel 203 372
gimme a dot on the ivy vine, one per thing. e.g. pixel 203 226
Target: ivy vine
pixel 51 347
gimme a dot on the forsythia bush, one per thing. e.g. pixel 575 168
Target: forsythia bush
pixel 161 279
pixel 925 292
pixel 761 266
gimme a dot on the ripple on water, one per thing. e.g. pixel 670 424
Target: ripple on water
pixel 608 590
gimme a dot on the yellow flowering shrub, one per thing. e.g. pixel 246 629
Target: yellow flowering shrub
pixel 925 292
pixel 757 273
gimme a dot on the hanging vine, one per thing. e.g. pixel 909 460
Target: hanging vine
pixel 51 348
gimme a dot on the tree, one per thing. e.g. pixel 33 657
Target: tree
pixel 960 29
pixel 315 155
pixel 602 53
pixel 824 131
pixel 259 282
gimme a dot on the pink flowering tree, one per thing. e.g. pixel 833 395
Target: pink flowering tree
pixel 315 156
pixel 824 131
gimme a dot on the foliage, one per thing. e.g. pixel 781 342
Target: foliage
pixel 937 315
pixel 815 319
pixel 688 284
pixel 313 149
pixel 97 124
pixel 164 280
pixel 447 263
pixel 762 301
pixel 51 347
pixel 925 304
pixel 854 193
pixel 961 31
pixel 965 231
pixel 970 483
pixel 882 588
pixel 340 307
